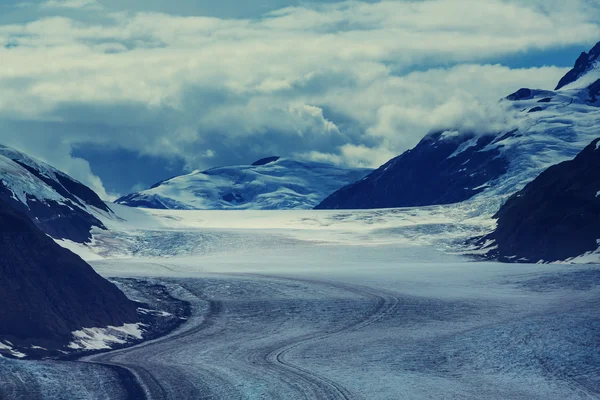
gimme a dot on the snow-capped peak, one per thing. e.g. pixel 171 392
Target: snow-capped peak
pixel 585 72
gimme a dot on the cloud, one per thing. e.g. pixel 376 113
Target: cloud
pixel 46 144
pixel 334 81
pixel 77 4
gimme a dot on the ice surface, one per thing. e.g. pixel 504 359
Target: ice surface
pixel 377 327
pixel 145 233
pixel 340 304
pixel 31 380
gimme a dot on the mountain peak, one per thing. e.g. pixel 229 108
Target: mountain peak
pixel 584 64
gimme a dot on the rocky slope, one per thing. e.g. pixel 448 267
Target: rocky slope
pixel 555 217
pixel 47 291
pixel 267 184
pixel 58 204
pixel 546 127
pixel 442 169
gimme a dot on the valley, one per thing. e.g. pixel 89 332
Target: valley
pixel 465 267
pixel 340 305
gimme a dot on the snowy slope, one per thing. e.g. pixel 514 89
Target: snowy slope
pixel 59 205
pixel 271 183
pixel 545 127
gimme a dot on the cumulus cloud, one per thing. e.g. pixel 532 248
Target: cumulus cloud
pixel 330 82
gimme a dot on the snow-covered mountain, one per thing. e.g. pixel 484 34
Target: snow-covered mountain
pixel 547 127
pixel 58 204
pixel 267 184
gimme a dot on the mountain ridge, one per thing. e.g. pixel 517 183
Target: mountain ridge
pixel 59 205
pixel 584 64
pixel 551 127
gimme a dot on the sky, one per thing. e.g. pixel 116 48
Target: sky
pixel 121 94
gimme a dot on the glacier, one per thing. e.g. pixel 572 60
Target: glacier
pixel 361 304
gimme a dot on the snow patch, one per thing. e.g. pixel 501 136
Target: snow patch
pixel 104 338
pixel 450 134
pixel 464 146
pixel 6 346
pixel 484 186
pixel 489 243
pixel 158 313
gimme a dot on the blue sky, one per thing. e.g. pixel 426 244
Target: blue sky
pixel 123 93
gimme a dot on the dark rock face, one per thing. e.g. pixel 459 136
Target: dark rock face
pixel 265 161
pixel 594 91
pixel 441 169
pixel 47 291
pixel 132 200
pixel 582 65
pixel 556 216
pixel 157 184
pixel 233 198
pixel 521 94
pixel 535 109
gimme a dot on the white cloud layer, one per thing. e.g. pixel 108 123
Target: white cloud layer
pixel 89 4
pixel 329 82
